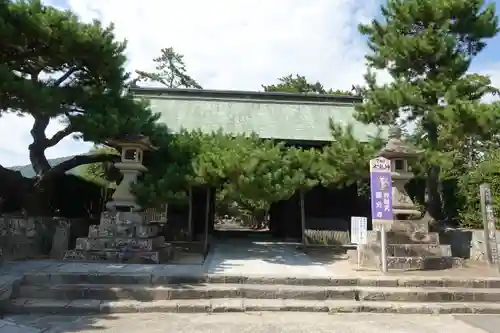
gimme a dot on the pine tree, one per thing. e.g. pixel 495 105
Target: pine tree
pixel 427 47
pixel 170 71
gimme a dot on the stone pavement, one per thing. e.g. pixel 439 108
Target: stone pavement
pixel 262 258
pixel 251 323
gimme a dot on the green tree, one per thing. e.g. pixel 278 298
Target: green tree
pixel 170 168
pixel 53 67
pixel 299 84
pixel 103 173
pixel 259 173
pixel 346 159
pixel 170 71
pixel 427 47
pixel 486 171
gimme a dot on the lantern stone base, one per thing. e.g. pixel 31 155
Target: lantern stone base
pixel 123 237
pixel 372 260
pixel 410 247
pixel 127 257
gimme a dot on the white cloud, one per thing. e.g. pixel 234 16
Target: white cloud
pixel 227 45
pixel 242 44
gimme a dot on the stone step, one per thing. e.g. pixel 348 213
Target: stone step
pixel 209 291
pixel 86 306
pixel 206 291
pixel 153 279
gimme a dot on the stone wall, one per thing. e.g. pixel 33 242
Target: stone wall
pixel 466 243
pixel 32 237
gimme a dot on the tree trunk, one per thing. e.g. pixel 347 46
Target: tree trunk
pixel 38 160
pixel 434 201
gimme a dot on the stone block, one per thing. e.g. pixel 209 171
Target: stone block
pixel 107 218
pixel 370 258
pixel 227 305
pixel 122 230
pixel 111 231
pixel 410 250
pixel 428 295
pixel 129 218
pixel 402 237
pixel 60 241
pixel 424 263
pixel 147 230
pixel 138 257
pixel 410 226
pixel 117 243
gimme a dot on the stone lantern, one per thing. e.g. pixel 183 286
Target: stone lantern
pixel 401 155
pixel 410 245
pixel 130 165
pixel 124 234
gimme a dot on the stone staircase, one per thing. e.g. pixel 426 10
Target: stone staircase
pixel 85 293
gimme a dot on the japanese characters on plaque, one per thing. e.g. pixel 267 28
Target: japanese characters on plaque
pixel 381 190
pixel 359 230
pixel 489 225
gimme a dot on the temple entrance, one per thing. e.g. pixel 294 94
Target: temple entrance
pixel 232 220
pixel 320 217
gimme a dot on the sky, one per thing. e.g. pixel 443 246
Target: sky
pixel 231 44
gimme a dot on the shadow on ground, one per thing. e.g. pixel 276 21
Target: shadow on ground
pixel 62 324
pixel 245 256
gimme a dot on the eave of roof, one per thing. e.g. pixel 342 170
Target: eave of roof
pixel 244 95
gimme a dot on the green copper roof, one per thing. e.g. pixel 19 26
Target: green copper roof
pixel 282 116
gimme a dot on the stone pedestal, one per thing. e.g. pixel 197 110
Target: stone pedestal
pixel 410 245
pixel 123 237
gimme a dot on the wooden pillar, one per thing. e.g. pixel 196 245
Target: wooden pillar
pixel 303 218
pixel 207 219
pixel 190 213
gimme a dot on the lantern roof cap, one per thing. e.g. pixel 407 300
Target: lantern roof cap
pixel 131 141
pixel 397 147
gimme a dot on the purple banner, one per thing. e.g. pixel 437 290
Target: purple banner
pixel 381 190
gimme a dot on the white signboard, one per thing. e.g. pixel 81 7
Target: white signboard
pixel 359 230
